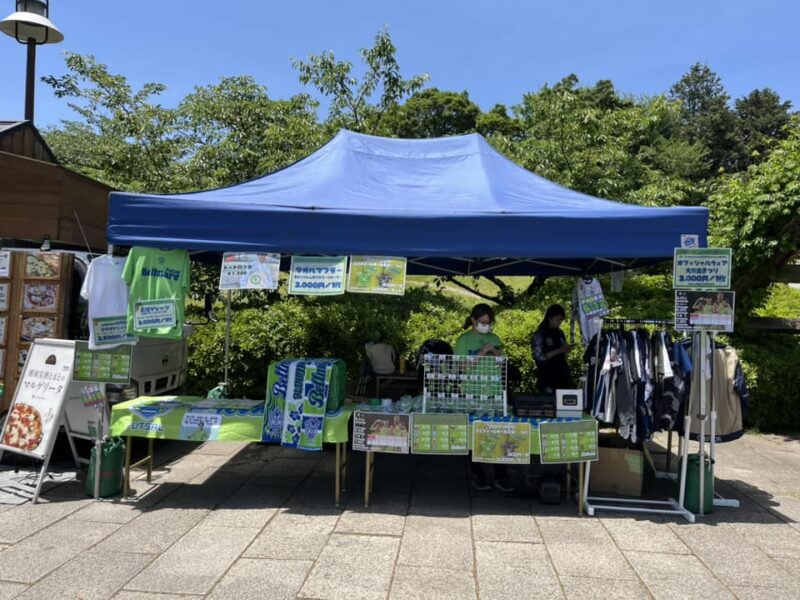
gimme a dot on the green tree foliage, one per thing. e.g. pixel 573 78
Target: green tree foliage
pixel 757 213
pixel 761 119
pixel 434 113
pixel 360 105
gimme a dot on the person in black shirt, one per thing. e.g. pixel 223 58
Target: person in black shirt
pixel 550 350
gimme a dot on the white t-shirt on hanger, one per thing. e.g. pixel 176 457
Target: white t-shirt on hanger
pixel 107 294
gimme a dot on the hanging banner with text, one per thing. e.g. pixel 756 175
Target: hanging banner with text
pixel 241 271
pixel 710 310
pixel 111 365
pixel 702 268
pixel 377 275
pixel 439 433
pixel 501 442
pixel 568 442
pixel 317 276
pixel 380 432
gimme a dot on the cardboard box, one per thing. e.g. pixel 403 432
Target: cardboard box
pixel 617 471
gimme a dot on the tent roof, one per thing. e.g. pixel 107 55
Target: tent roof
pixel 449 204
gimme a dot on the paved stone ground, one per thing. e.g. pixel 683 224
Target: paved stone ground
pixel 229 521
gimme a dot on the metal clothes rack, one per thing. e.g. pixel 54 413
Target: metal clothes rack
pixel 637 505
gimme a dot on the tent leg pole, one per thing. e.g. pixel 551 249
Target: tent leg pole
pixel 227 334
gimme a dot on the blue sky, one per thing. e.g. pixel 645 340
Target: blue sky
pixel 495 50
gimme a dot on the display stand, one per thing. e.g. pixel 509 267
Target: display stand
pixel 39 398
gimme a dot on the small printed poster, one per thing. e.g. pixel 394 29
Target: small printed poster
pixel 242 271
pixel 702 268
pixel 111 331
pixel 317 276
pixel 712 310
pixel 568 442
pixel 501 442
pixel 38 327
pixel 440 433
pixel 690 240
pixel 42 265
pixel 3 326
pixel 594 306
pixel 377 275
pixel 40 297
pixel 2 368
pixel 4 291
pixel 380 432
pixel 200 427
pixel 92 395
pixel 111 365
pixel 154 314
pixel 5 263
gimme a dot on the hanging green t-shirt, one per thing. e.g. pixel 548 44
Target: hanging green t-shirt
pixel 469 344
pixel 158 282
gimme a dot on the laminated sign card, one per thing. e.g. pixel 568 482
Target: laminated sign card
pixel 377 275
pixel 241 271
pixel 317 276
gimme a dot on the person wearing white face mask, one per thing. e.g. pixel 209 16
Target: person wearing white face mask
pixel 479 340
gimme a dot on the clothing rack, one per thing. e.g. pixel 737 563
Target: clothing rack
pixel 638 321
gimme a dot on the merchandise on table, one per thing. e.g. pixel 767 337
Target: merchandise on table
pixel 107 294
pixel 465 384
pixel 158 282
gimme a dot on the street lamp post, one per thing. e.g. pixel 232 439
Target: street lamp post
pixel 31 25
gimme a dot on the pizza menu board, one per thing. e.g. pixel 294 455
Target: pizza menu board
pixel 568 442
pixel 102 366
pixel 439 433
pixel 34 417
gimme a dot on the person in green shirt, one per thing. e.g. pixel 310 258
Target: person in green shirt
pixel 480 341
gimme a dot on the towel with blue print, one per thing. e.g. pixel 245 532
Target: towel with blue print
pixel 307 388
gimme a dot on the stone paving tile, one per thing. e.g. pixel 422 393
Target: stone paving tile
pixel 220 448
pixel 439 504
pixel 439 542
pixel 36 556
pixel 732 558
pixel 304 531
pixel 262 579
pixel 154 531
pixel 583 548
pixel 249 506
pixel 644 535
pixel 355 567
pixel 588 588
pixel 790 564
pixel 91 576
pixel 677 577
pixel 127 595
pixel 187 468
pixel 512 571
pixel 774 537
pixel 760 593
pixel 423 583
pixel 26 519
pixel 317 490
pixel 10 590
pixel 196 562
pixel 120 511
pixel 385 515
pixel 503 520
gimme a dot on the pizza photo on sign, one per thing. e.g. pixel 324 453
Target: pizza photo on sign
pixel 23 428
pixel 42 265
pixel 41 297
pixel 37 327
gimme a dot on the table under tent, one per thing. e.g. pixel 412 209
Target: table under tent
pixel 451 206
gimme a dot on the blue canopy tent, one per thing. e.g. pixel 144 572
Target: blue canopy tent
pixel 451 205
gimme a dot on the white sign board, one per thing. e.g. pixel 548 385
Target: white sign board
pixel 35 413
pixel 711 310
pixel 241 271
pixel 317 276
pixel 82 414
pixel 5 263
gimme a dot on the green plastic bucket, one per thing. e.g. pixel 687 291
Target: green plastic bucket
pixel 112 458
pixel 691 500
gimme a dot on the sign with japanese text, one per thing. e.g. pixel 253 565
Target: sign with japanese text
pixel 200 426
pixel 702 268
pixel 377 275
pixel 4 292
pixel 112 365
pixel 317 276
pixel 109 331
pixel 154 314
pixel 568 441
pixel 711 310
pixel 35 413
pixel 380 432
pixel 241 271
pixel 501 442
pixel 5 263
pixel 439 433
